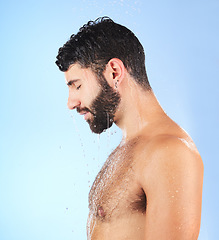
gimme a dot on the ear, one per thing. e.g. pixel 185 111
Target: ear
pixel 114 72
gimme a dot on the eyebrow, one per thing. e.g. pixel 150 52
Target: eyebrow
pixel 69 83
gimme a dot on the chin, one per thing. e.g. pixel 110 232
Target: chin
pixel 99 129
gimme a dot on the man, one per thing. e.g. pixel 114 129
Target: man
pixel 150 187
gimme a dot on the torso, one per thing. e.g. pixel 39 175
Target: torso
pixel 116 201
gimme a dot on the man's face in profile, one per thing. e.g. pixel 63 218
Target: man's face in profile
pixel 92 96
pixel 103 107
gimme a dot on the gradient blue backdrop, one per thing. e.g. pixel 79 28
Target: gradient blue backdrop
pixel 48 156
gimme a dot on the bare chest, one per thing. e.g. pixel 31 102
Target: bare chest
pixel 114 191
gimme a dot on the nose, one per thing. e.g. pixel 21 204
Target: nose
pixel 73 101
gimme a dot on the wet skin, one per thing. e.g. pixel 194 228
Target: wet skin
pixel 119 201
pixel 150 187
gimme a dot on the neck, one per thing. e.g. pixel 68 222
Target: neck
pixel 139 111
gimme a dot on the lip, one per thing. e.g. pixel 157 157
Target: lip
pixel 86 115
pixel 83 112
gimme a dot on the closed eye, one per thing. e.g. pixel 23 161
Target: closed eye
pixel 78 87
pixel 72 82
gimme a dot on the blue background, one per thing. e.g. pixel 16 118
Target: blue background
pixel 48 156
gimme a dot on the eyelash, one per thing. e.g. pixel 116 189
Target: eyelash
pixel 78 87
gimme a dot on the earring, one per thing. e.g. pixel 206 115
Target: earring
pixel 116 83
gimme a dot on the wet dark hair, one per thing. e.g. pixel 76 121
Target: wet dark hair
pixel 99 41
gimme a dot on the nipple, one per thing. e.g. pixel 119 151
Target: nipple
pixel 100 212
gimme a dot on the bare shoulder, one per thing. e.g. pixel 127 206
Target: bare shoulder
pixel 170 171
pixel 170 162
pixel 167 152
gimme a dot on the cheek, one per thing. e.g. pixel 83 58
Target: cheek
pixel 88 98
pixel 94 90
pixel 92 93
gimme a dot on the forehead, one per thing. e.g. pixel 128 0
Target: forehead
pixel 76 72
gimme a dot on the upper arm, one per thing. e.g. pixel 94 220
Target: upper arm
pixel 172 180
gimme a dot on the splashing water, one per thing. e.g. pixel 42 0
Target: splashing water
pixel 79 136
pixel 98 159
pixel 86 157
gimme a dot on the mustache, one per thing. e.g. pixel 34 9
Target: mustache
pixel 85 109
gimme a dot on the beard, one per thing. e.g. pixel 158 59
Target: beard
pixel 103 108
